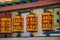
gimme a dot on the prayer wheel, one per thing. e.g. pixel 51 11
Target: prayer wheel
pixel 18 23
pixel 32 23
pixel 6 25
pixel 48 21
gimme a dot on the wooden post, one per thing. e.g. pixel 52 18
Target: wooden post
pixel 59 19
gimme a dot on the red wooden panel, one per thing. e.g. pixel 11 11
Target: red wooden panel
pixel 1 35
pixel 9 15
pixel 9 35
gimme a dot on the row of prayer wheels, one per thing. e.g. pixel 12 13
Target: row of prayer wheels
pixel 18 24
pixel 31 26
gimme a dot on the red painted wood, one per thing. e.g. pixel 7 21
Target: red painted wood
pixel 9 35
pixel 28 5
pixel 1 35
pixel 9 15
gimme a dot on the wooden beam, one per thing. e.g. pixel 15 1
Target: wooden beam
pixel 29 5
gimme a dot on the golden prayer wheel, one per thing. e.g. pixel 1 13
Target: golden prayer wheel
pixel 32 23
pixel 48 21
pixel 6 26
pixel 18 23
